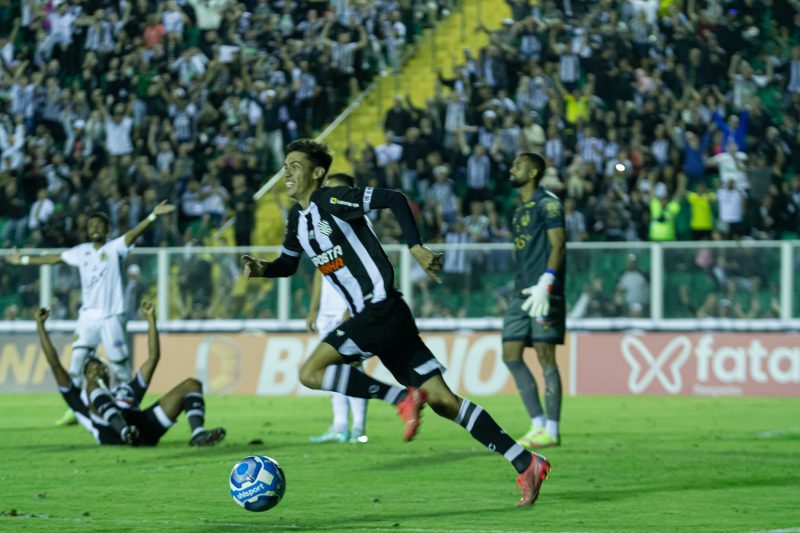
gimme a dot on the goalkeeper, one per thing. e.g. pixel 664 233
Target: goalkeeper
pixel 113 416
pixel 536 315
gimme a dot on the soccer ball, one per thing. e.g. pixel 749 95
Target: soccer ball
pixel 257 483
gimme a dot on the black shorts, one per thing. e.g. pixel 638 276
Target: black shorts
pixel 150 429
pixel 387 329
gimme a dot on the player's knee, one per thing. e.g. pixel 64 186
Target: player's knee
pixel 310 377
pixel 192 385
pixel 547 363
pixel 445 405
pixel 546 354
pixel 512 352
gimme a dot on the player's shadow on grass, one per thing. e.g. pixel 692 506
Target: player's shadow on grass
pixel 58 447
pixel 384 521
pixel 420 459
pixel 681 484
pixel 225 448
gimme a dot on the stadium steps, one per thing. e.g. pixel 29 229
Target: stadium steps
pixel 365 124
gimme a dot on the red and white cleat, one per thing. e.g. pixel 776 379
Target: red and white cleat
pixel 530 481
pixel 409 410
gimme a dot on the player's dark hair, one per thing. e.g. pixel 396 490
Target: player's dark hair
pixel 538 163
pixel 91 358
pixel 318 153
pixel 102 216
pixel 346 179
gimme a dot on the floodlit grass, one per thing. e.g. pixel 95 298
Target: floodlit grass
pixel 626 464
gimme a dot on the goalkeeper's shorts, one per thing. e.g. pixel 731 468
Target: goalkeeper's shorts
pixel 519 326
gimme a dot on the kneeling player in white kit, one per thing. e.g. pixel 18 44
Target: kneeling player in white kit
pixel 326 311
pixel 101 319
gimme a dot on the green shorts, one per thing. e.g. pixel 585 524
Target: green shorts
pixel 519 326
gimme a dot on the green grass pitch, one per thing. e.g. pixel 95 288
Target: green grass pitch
pixel 626 464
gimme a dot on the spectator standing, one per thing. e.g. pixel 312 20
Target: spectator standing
pixel 387 157
pixel 244 208
pixel 732 166
pixel 635 288
pixel 118 127
pixel 663 212
pixel 732 201
pixel 701 202
pixel 479 171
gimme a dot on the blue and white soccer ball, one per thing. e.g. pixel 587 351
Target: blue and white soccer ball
pixel 257 483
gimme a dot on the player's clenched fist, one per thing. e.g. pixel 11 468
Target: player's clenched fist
pixel 148 309
pixel 42 314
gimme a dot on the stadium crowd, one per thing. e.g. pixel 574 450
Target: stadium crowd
pixel 659 120
pixel 115 106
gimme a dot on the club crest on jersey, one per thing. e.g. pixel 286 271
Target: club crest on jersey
pixel 324 227
pixel 103 256
pixel 552 209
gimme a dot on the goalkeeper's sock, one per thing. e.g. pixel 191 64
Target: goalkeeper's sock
pixel 346 380
pixel 552 394
pixel 551 427
pixel 526 385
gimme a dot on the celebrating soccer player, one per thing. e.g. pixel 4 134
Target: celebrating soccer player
pixel 536 316
pixel 101 318
pixel 113 415
pixel 330 226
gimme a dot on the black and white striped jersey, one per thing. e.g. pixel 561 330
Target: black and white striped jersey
pixel 127 397
pixel 335 233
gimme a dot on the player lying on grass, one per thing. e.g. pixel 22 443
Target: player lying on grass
pixel 113 415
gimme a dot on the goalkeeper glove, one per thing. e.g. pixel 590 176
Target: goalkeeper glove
pixel 537 305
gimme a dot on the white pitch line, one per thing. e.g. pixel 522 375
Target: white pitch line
pixel 284 527
pixel 787 530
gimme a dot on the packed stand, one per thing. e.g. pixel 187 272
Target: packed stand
pixel 659 121
pixel 115 107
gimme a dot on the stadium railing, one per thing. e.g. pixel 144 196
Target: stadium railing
pixel 733 286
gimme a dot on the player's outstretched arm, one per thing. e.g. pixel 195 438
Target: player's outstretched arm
pixel 15 258
pixel 161 209
pixel 283 267
pixel 430 261
pixel 61 375
pixel 153 343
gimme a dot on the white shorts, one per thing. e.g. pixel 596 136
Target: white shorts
pixel 93 329
pixel 327 323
